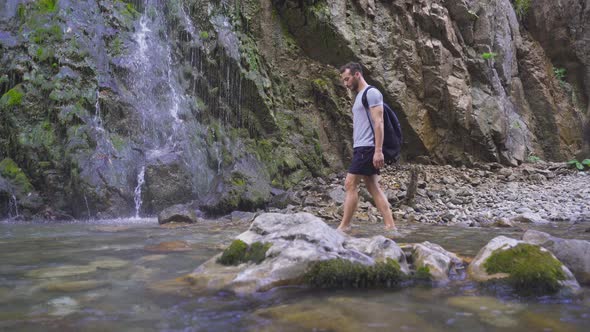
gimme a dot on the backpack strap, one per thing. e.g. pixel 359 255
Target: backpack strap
pixel 366 105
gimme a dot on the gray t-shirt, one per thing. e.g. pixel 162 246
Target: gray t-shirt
pixel 361 133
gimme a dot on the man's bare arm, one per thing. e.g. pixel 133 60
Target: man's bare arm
pixel 377 118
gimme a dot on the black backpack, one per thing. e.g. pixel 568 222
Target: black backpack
pixel 392 131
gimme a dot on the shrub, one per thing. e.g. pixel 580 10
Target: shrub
pixel 488 55
pixel 521 7
pixel 574 163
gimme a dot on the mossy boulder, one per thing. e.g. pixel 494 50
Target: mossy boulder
pixel 530 269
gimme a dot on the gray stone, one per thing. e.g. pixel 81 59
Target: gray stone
pixel 441 263
pixel 182 213
pixel 575 254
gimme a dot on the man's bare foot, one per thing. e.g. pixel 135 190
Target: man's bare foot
pixel 390 227
pixel 344 229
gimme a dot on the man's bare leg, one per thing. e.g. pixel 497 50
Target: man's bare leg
pixel 372 183
pixel 351 200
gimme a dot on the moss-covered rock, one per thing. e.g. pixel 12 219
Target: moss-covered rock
pixel 239 252
pixel 342 273
pixel 530 269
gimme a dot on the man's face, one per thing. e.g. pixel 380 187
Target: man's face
pixel 350 81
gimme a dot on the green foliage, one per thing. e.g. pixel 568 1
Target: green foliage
pixel 521 7
pixel 117 46
pixel 342 273
pixel 423 273
pixel 10 170
pixel 47 6
pixel 559 74
pixel 239 252
pixel 533 159
pixel 488 55
pixel 46 34
pixel 574 163
pixel 238 179
pixel 21 12
pixel 118 142
pixel 12 97
pixel 204 35
pixel 531 271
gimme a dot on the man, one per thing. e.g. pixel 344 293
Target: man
pixel 368 157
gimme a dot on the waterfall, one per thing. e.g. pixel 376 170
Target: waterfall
pixel 13 206
pixel 137 196
pixel 87 207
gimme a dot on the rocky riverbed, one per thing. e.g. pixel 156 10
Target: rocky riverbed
pixel 484 195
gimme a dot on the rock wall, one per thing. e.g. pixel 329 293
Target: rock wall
pixel 115 107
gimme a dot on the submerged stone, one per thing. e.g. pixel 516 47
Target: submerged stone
pixel 169 246
pixel 61 271
pixel 73 286
pixel 489 309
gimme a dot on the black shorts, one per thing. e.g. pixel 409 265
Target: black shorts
pixel 362 161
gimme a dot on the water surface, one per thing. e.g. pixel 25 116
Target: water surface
pixel 99 275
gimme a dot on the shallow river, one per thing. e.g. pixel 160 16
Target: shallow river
pixel 100 276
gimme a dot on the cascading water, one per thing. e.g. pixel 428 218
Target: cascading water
pixel 156 91
pixel 137 196
pixel 13 207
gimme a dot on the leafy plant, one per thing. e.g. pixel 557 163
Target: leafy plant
pixel 533 159
pixel 559 74
pixel 488 55
pixel 521 7
pixel 48 6
pixel 579 165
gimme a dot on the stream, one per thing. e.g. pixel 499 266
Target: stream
pixel 99 275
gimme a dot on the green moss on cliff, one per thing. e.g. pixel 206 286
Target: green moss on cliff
pixel 342 273
pixel 10 170
pixel 13 97
pixel 531 270
pixel 47 6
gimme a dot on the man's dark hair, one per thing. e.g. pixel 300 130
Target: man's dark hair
pixel 354 68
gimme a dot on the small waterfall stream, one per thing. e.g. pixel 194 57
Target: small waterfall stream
pixel 137 196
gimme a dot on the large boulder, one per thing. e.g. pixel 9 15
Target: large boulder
pixel 291 244
pixel 530 269
pixel 575 254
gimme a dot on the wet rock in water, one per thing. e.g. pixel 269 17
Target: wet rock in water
pixel 503 222
pixel 575 254
pixel 63 306
pixel 310 317
pixel 530 269
pixel 73 286
pixel 179 213
pixel 529 217
pixel 489 309
pixel 109 263
pixel 169 246
pixel 242 216
pixel 435 260
pixel 61 271
pixel 297 241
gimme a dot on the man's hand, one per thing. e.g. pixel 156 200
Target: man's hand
pixel 378 159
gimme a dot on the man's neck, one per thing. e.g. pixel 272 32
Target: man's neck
pixel 362 85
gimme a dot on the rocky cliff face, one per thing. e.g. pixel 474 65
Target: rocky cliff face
pixel 111 108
